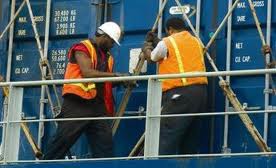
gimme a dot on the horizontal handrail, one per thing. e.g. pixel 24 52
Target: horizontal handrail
pixel 142 77
pixel 154 157
pixel 143 117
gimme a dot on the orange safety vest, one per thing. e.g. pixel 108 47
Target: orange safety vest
pixel 185 54
pixel 88 90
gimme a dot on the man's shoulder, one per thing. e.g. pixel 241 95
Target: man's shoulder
pixel 79 47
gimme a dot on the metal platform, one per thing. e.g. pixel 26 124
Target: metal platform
pixel 225 162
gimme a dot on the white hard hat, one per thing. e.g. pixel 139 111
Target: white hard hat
pixel 111 29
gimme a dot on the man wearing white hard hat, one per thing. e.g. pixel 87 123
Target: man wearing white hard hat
pixel 90 58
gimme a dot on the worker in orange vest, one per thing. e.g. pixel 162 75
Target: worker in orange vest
pixel 90 58
pixel 180 52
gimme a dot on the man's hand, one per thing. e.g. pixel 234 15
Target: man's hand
pixel 147 48
pixel 125 83
pixel 152 37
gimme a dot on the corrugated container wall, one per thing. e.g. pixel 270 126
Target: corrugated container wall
pixel 74 20
pixel 244 54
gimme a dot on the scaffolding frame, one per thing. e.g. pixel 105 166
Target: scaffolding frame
pixel 44 64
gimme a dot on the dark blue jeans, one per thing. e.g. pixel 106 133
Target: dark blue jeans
pixel 182 100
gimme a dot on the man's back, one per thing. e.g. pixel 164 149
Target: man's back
pixel 185 54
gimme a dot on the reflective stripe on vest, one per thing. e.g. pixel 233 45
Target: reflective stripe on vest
pixel 184 55
pixel 84 90
pixel 178 57
pixel 89 86
pixel 91 49
pixel 83 87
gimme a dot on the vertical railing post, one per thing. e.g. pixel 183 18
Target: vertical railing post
pixel 267 76
pixel 12 136
pixel 225 148
pixel 43 88
pixel 153 123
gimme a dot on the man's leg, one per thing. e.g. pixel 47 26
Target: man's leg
pixel 190 99
pixel 68 131
pixel 172 129
pixel 67 134
pixel 99 136
pixel 99 132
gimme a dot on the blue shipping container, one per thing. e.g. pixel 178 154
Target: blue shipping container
pixel 74 20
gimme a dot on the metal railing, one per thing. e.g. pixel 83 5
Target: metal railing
pixel 152 118
pixel 12 120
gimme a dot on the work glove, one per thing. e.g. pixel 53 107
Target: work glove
pixel 147 46
pixel 125 84
pixel 152 37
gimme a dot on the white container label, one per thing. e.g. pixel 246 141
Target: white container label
pixel 175 10
pixel 133 60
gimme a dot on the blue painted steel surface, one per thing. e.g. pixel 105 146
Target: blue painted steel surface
pixel 23 26
pixel 25 60
pixel 67 27
pixel 129 14
pixel 4 14
pixel 242 15
pixel 133 15
pixel 66 19
pixel 225 162
pixel 135 30
pixel 75 20
pixel 246 54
